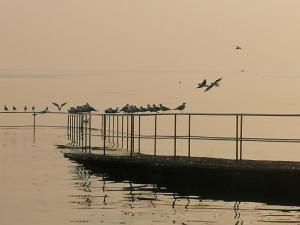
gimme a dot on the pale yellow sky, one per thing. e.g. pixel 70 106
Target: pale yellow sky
pixel 176 35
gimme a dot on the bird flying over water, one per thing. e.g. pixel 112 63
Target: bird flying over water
pixel 59 107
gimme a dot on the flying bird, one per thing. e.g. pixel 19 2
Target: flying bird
pixel 238 47
pixel 215 83
pixel 59 107
pixel 181 107
pixel 202 84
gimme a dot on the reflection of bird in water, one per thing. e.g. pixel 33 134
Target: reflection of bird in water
pixel 59 107
pixel 25 108
pixel 5 108
pixel 181 107
pixel 215 83
pixel 14 108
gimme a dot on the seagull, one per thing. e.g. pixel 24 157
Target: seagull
pixel 59 107
pixel 181 107
pixel 164 108
pixel 33 108
pixel 238 47
pixel 72 110
pixel 25 108
pixel 142 109
pixel 215 83
pixel 150 109
pixel 124 108
pixel 14 108
pixel 156 108
pixel 44 111
pixel 5 108
pixel 85 108
pixel 202 84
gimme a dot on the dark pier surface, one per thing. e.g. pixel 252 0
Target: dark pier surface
pixel 249 180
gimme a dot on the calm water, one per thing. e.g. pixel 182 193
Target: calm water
pixel 40 186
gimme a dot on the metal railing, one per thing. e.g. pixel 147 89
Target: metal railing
pixel 108 120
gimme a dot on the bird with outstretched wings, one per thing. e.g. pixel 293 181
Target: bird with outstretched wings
pixel 202 84
pixel 59 107
pixel 215 83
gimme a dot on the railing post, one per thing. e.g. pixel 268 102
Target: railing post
pixel 117 131
pixel 82 132
pixel 68 126
pixel 241 137
pixel 76 131
pixel 132 136
pixel 90 132
pixel 189 143
pixel 79 131
pixel 139 133
pixel 237 138
pixel 175 134
pixel 122 131
pixel 155 133
pixel 104 134
pixel 127 133
pixel 109 132
pixel 113 129
pixel 85 135
pixel 34 117
pixel 72 129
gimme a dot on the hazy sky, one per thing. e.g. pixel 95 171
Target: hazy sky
pixel 197 35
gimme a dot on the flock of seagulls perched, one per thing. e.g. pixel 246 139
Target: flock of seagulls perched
pixel 81 109
pixel 150 108
pixel 14 108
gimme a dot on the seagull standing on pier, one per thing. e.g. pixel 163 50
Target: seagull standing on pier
pixel 59 107
pixel 5 108
pixel 163 108
pixel 44 111
pixel 181 107
pixel 14 108
pixel 25 108
pixel 33 108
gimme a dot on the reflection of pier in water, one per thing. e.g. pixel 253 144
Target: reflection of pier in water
pixel 99 191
